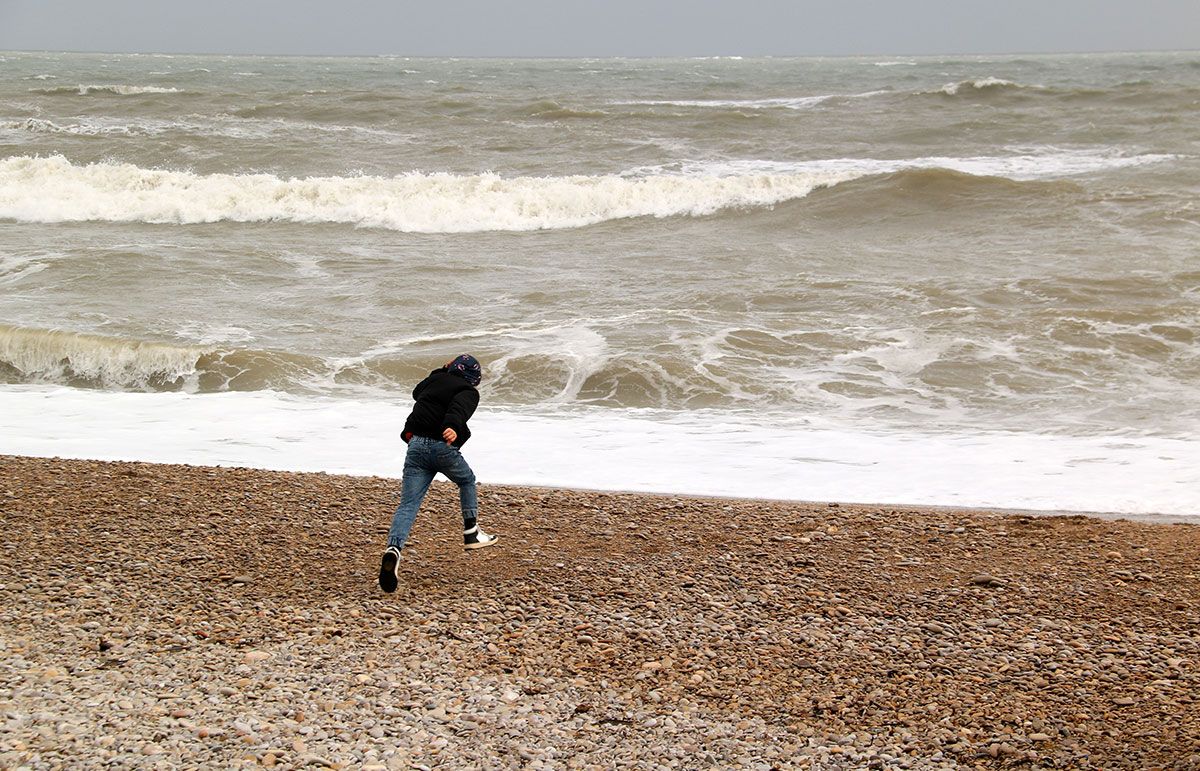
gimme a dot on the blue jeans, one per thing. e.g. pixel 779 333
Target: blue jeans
pixel 425 458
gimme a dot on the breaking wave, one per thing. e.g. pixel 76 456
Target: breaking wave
pixel 97 361
pixel 52 189
pixel 551 110
pixel 791 103
pixel 120 90
pixel 981 85
pixel 43 126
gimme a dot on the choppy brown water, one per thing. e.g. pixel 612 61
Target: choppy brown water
pixel 979 243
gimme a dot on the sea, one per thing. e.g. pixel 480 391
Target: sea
pixel 966 281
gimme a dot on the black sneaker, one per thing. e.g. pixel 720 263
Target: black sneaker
pixel 389 569
pixel 475 538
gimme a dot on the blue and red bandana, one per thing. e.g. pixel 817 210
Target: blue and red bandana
pixel 466 367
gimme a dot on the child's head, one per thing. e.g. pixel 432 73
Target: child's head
pixel 466 367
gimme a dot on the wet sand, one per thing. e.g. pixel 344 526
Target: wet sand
pixel 173 616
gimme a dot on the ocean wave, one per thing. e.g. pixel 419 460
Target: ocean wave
pixel 980 85
pixel 220 125
pixel 120 90
pixel 98 361
pixel 55 190
pixel 43 126
pixel 1023 164
pixel 898 191
pixel 52 189
pixel 790 103
pixel 523 370
pixel 557 364
pixel 551 110
pixel 933 368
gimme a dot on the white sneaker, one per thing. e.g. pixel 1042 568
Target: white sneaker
pixel 475 538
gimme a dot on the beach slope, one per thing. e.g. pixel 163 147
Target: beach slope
pixel 174 616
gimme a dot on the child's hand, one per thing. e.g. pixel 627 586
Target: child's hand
pixel 449 435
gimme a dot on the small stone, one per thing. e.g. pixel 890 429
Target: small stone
pixel 253 657
pixel 1124 701
pixel 150 748
pixel 1039 737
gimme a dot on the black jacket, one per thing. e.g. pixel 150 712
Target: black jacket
pixel 444 400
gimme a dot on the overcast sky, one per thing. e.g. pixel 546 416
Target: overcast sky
pixel 599 27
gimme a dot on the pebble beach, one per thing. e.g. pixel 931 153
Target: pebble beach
pixel 158 616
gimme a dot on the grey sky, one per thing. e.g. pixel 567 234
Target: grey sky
pixel 599 27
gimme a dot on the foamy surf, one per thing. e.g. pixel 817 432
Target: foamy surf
pixel 1005 271
pixel 87 128
pixel 696 453
pixel 791 103
pixel 99 361
pixel 115 89
pixel 980 85
pixel 53 189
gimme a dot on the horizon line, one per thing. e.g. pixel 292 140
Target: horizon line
pixel 582 57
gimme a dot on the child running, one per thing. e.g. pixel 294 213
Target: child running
pixel 435 431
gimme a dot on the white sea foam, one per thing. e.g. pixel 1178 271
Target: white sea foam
pixel 791 103
pixel 980 84
pixel 697 452
pixel 14 268
pixel 52 189
pixel 119 89
pixel 582 350
pixel 1023 165
pixel 91 127
pixel 208 334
